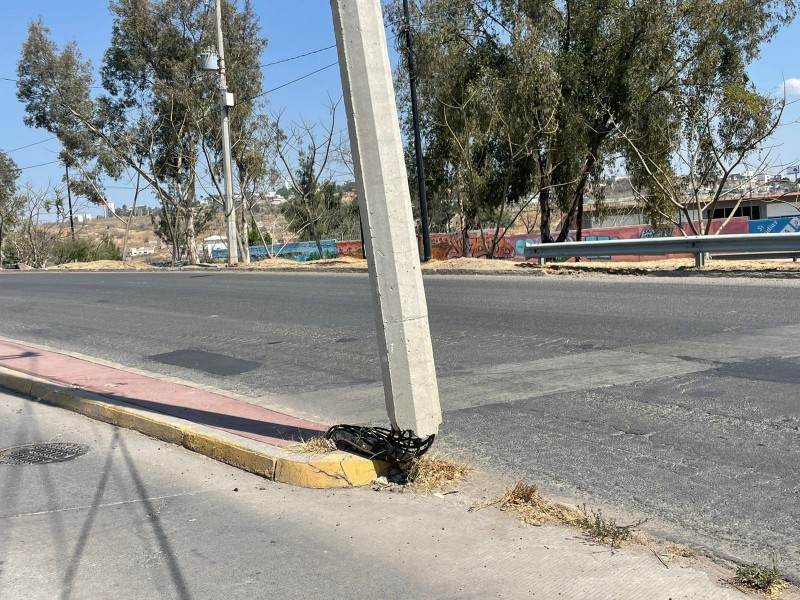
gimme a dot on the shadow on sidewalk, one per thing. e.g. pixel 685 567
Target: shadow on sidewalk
pixel 21 355
pixel 232 423
pixel 244 426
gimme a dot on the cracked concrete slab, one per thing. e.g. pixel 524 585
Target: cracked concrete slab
pixel 512 381
pixel 730 347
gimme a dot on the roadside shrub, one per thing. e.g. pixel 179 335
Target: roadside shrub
pixel 254 239
pixel 82 250
pixel 11 255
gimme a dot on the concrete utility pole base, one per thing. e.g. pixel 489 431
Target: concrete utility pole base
pixel 404 342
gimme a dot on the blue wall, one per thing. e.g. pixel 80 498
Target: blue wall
pixel 782 225
pixel 301 251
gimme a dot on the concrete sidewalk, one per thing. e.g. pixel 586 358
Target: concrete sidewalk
pixel 244 435
pixel 134 518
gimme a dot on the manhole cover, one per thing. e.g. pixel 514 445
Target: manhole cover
pixel 38 454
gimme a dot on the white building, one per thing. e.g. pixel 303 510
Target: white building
pixel 142 250
pixel 214 242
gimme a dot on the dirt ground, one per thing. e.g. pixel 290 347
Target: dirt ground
pixel 284 264
pixel 676 265
pixel 104 265
pixel 468 266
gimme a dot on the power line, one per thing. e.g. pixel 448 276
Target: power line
pixel 91 87
pixel 52 162
pixel 317 51
pixel 29 145
pixel 277 62
pixel 283 85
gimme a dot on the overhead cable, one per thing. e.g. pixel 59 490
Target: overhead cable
pixel 277 62
pixel 29 145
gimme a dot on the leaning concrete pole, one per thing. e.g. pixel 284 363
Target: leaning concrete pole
pixel 401 312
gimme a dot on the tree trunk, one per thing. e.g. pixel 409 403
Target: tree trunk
pixel 544 220
pixel 579 223
pixel 267 250
pixel 319 246
pixel 244 249
pixel 245 237
pixel 191 238
pixel 188 201
pixel 495 241
pixel 130 218
pixel 565 225
pixel 578 196
pixel 543 166
pixel 312 224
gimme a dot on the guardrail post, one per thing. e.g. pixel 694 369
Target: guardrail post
pixel 699 259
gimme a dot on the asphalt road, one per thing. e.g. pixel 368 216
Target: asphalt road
pixel 675 400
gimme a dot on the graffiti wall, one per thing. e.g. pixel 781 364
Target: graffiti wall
pixel 512 247
pixel 451 245
pixel 349 248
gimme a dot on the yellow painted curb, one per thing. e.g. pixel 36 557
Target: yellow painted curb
pixel 330 470
pixel 334 469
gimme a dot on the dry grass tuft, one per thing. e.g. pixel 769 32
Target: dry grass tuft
pixel 315 445
pixel 605 530
pixel 526 501
pixel 433 471
pixel 680 550
pixel 768 580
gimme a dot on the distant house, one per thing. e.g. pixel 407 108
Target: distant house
pixel 141 250
pixel 214 242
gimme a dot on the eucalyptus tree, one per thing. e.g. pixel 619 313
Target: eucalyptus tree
pixel 55 86
pixel 477 149
pixel 153 67
pixel 580 85
pixel 156 115
pixel 719 122
pixel 10 203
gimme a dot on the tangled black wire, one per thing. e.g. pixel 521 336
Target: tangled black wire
pixel 391 445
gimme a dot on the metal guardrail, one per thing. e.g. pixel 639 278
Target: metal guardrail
pixel 699 245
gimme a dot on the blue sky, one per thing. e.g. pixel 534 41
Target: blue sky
pixel 292 28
